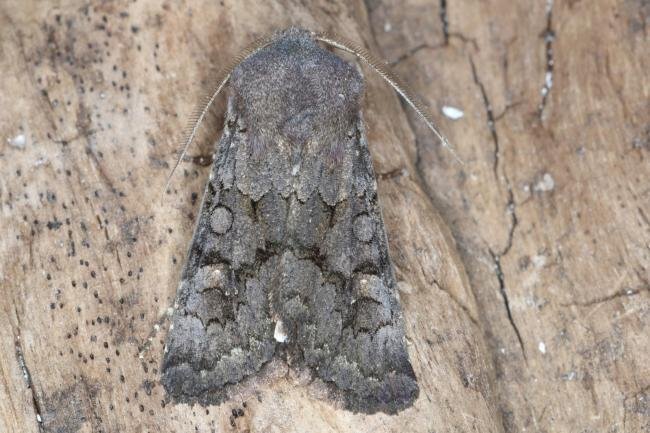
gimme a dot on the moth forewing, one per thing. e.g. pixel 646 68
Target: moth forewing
pixel 289 259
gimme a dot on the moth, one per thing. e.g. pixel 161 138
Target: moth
pixel 289 257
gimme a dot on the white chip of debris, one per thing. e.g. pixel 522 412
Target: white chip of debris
pixel 548 79
pixel 546 184
pixel 539 260
pixel 549 6
pixel 548 83
pixel 280 334
pixel 452 112
pixel 542 347
pixel 18 141
pixel 571 375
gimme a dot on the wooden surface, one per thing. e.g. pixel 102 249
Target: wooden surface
pixel 524 271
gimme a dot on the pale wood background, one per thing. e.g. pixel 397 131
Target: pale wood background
pixel 524 271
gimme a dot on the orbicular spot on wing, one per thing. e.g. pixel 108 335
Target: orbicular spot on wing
pixel 221 220
pixel 363 227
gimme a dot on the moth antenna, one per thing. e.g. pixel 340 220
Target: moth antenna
pixel 202 109
pixel 390 77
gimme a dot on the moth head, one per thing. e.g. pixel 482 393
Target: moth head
pixel 292 42
pixel 297 90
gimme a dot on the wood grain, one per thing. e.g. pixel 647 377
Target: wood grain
pixel 524 270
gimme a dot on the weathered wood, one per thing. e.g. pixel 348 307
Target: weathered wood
pixel 550 208
pixel 524 270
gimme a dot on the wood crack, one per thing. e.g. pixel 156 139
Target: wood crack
pixel 20 358
pixel 444 19
pixel 496 258
pixel 413 51
pixel 549 36
pixel 623 293
pixel 490 117
pixel 510 206
pixel 504 295
pixel 457 302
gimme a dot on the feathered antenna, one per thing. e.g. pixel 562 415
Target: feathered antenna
pixel 204 106
pixel 391 78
